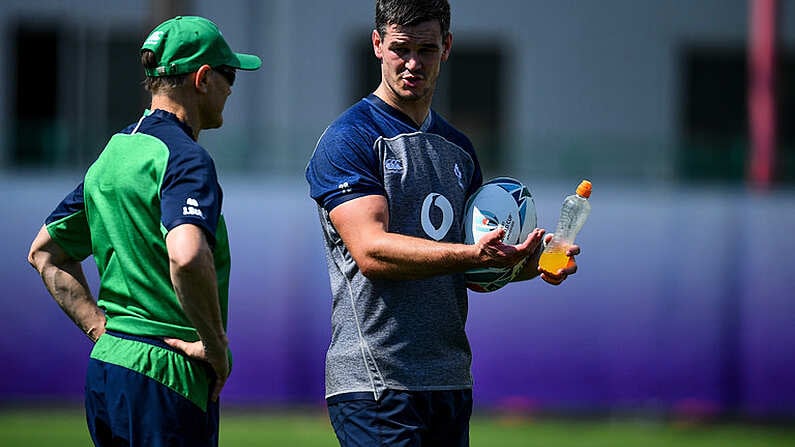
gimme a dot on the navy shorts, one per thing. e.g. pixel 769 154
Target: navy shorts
pixel 402 418
pixel 126 408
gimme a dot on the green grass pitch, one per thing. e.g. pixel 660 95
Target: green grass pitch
pixel 65 427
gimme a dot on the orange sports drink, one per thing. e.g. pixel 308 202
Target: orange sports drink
pixel 552 261
pixel 573 214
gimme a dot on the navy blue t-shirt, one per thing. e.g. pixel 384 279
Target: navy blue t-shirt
pixel 390 334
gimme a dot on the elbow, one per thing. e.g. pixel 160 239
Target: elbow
pixel 371 269
pixel 32 254
pixel 189 260
pixel 184 263
pixel 372 260
pixel 43 251
pixel 32 257
pixel 38 257
pixel 375 267
pixel 370 265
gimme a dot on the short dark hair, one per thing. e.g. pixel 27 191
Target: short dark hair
pixel 154 84
pixel 411 12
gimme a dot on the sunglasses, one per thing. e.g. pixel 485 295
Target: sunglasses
pixel 227 73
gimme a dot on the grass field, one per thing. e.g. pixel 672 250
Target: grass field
pixel 66 428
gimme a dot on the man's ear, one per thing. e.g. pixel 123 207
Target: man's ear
pixel 447 45
pixel 200 79
pixel 376 39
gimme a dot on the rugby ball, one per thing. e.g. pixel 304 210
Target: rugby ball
pixel 501 202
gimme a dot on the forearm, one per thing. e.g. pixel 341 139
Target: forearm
pixel 196 288
pixel 68 286
pixel 397 256
pixel 193 275
pixel 64 279
pixel 363 224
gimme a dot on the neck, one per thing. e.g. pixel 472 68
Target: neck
pixel 183 110
pixel 416 110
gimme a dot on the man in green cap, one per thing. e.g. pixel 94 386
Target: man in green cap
pixel 149 211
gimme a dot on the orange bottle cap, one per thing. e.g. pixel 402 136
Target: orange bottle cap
pixel 584 189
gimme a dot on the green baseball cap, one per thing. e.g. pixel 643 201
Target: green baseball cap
pixel 185 43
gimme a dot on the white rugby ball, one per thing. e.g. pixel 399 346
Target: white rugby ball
pixel 505 202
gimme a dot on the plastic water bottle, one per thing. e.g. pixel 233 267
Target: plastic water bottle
pixel 573 213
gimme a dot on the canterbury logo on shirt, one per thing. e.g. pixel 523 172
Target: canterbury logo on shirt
pixel 393 165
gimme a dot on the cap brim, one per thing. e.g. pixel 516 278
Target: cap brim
pixel 246 62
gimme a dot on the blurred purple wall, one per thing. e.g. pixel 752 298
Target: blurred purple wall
pixel 684 301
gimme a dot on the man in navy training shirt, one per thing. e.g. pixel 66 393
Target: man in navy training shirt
pixel 391 179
